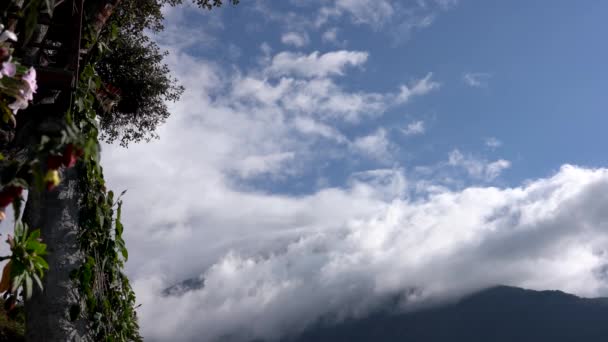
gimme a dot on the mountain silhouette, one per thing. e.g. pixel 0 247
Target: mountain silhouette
pixel 498 314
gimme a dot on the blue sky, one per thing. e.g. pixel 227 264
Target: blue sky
pixel 327 154
pixel 540 70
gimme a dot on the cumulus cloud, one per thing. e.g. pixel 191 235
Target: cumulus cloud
pixel 295 39
pixel 415 128
pixel 361 247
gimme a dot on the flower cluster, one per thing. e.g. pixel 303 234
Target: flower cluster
pixel 17 82
pixel 67 158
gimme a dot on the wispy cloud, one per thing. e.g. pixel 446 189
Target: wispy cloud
pixel 476 79
pixel 330 35
pixel 415 128
pixel 315 64
pixel 492 143
pixel 254 165
pixel 398 20
pixel 371 12
pixel 308 125
pixel 295 39
pixel 478 168
pixel 419 87
pixel 375 145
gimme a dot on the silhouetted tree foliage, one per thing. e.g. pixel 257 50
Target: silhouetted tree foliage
pixel 135 67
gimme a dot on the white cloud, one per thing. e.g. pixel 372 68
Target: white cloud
pixel 255 165
pixel 495 168
pixel 417 88
pixel 309 126
pixel 398 19
pixel 444 4
pixel 478 168
pixel 304 84
pixel 319 97
pixel 273 263
pixel 330 35
pixel 493 143
pixel 476 79
pixel 293 260
pixel 371 12
pixel 415 128
pixel 375 145
pixel 386 184
pixel 315 64
pixel 295 39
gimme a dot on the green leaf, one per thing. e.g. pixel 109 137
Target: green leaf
pixel 6 117
pixel 38 281
pixel 6 112
pixel 34 235
pixel 17 280
pixel 32 246
pixel 120 244
pixel 41 263
pixel 18 230
pixel 111 197
pixel 28 286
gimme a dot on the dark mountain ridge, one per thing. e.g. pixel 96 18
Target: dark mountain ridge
pixel 499 314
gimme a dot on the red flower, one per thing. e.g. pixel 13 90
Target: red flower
pixel 16 190
pixel 5 199
pixel 69 156
pixel 8 195
pixel 54 162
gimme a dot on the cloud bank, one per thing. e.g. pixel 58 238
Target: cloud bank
pixel 342 251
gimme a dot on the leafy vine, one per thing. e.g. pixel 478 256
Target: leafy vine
pixel 107 299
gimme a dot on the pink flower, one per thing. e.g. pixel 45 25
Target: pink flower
pixel 8 69
pixel 30 78
pixel 20 103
